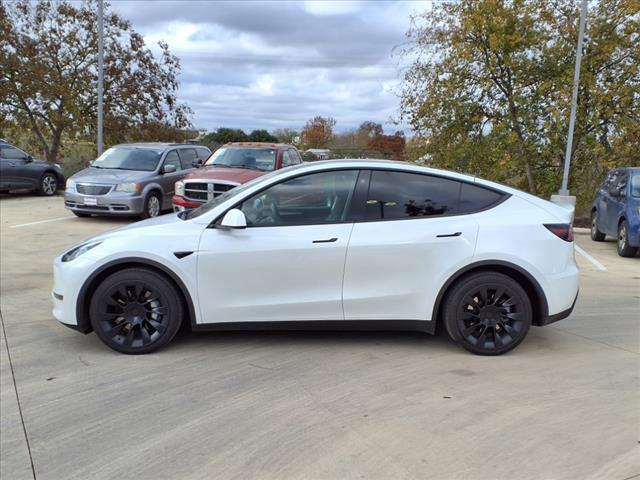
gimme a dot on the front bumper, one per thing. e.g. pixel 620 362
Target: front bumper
pixel 114 203
pixel 68 277
pixel 180 203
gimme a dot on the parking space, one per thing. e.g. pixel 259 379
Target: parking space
pixel 329 405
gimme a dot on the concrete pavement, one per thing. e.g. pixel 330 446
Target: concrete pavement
pixel 563 405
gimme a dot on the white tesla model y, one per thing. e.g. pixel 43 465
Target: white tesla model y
pixel 337 244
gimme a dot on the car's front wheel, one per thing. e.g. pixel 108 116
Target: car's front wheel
pixel 136 311
pixel 596 234
pixel 48 184
pixel 152 206
pixel 624 249
pixel 487 313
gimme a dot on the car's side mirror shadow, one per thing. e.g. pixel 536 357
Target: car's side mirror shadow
pixel 168 169
pixel 234 218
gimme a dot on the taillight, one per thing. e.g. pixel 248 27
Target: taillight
pixel 561 230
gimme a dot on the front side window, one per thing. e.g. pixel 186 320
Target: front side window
pixel 316 198
pixel 128 158
pixel 172 158
pixel 9 152
pixel 203 153
pixel 394 195
pixel 187 157
pixel 287 159
pixel 635 185
pixel 263 159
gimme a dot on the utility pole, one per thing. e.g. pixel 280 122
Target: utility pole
pixel 564 190
pixel 100 126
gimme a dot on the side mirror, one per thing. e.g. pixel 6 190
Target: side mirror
pixel 615 192
pixel 168 168
pixel 197 163
pixel 234 218
pixel 28 159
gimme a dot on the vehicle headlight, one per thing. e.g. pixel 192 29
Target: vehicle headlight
pixel 128 187
pixel 75 252
pixel 179 189
pixel 70 185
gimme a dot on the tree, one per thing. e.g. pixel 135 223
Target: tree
pixel 226 135
pixel 318 132
pixel 366 132
pixel 390 146
pixel 286 135
pixel 490 89
pixel 262 136
pixel 48 76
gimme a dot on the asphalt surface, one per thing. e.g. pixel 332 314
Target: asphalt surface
pixel 564 405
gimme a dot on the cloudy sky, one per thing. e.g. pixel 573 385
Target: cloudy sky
pixel 261 64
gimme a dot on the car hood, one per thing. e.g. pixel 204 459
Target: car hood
pixel 160 222
pixel 109 176
pixel 239 175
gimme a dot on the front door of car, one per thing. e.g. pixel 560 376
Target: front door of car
pixel 617 200
pixel 168 180
pixel 411 241
pixel 288 264
pixel 15 167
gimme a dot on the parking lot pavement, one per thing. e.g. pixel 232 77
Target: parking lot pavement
pixel 563 405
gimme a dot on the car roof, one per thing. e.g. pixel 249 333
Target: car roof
pixel 258 145
pixel 159 145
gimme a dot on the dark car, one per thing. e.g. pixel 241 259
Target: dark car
pixel 19 170
pixel 132 179
pixel 616 210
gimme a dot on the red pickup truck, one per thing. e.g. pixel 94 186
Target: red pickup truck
pixel 229 166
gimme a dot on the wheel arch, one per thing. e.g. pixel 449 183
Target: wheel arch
pixel 525 279
pixel 91 283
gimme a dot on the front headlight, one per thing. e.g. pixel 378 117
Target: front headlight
pixel 70 185
pixel 128 187
pixel 179 189
pixel 75 252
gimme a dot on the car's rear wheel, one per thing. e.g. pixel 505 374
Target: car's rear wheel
pixel 136 311
pixel 152 206
pixel 624 250
pixel 48 184
pixel 596 235
pixel 487 313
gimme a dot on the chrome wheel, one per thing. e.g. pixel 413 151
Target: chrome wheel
pixel 153 206
pixel 49 185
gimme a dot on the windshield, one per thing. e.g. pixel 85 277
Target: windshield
pixel 207 207
pixel 635 186
pixel 128 158
pixel 263 159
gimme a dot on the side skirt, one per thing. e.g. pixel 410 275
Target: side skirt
pixel 337 325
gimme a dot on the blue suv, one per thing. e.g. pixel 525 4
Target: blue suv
pixel 616 210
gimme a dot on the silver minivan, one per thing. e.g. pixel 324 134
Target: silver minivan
pixel 132 179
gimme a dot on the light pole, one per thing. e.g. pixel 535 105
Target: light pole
pixel 100 126
pixel 564 190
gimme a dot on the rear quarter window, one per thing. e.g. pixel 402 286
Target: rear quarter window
pixel 474 198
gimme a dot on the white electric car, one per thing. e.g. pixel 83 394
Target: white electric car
pixel 336 244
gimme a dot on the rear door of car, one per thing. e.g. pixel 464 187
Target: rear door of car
pixel 409 237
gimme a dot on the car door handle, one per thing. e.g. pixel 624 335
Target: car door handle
pixel 443 235
pixel 327 240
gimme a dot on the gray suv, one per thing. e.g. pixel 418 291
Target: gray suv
pixel 132 179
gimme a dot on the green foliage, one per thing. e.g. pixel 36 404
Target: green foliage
pixel 489 90
pixel 262 136
pixel 225 135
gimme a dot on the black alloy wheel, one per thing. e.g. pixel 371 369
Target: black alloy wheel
pixel 487 313
pixel 136 311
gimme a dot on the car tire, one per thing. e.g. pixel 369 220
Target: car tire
pixel 487 313
pixel 624 250
pixel 81 214
pixel 136 311
pixel 152 206
pixel 596 235
pixel 48 185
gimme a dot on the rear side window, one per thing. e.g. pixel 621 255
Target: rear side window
pixel 394 195
pixel 474 198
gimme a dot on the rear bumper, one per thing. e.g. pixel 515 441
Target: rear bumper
pixel 558 316
pixel 114 203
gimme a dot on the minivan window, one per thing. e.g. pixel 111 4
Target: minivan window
pixel 187 157
pixel 394 195
pixel 635 186
pixel 172 158
pixel 128 158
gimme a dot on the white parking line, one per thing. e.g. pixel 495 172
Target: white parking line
pixel 41 221
pixel 593 261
